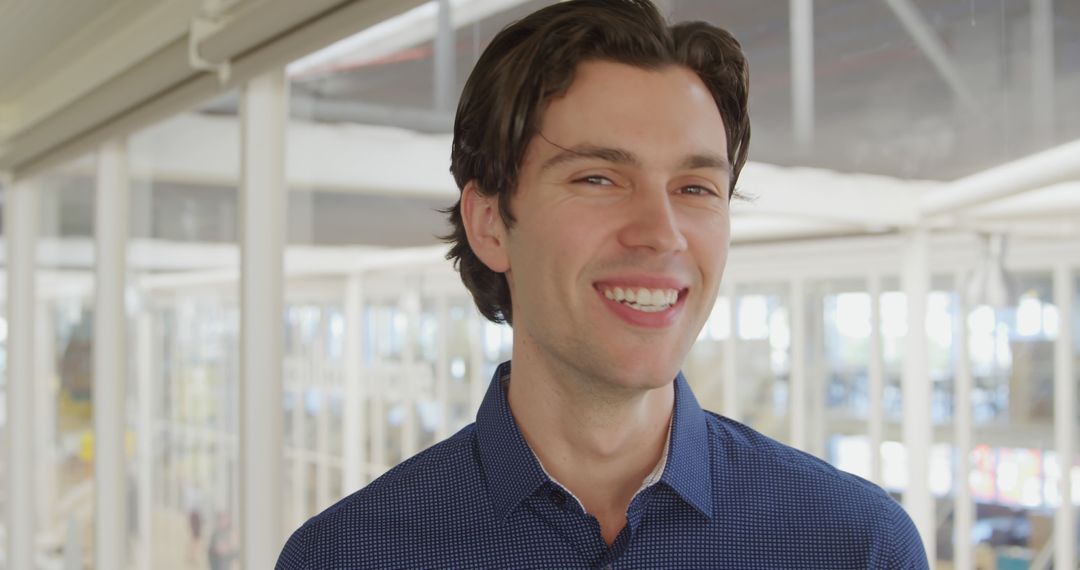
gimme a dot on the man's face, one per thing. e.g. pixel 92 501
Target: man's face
pixel 622 225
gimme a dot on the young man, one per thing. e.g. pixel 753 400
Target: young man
pixel 596 149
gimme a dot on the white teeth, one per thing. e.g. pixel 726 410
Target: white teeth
pixel 643 299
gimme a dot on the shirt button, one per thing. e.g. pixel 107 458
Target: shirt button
pixel 558 497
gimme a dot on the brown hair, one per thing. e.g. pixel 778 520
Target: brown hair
pixel 532 61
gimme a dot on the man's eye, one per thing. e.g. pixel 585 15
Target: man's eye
pixel 595 179
pixel 695 190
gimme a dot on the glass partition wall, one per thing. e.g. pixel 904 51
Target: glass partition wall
pixel 384 353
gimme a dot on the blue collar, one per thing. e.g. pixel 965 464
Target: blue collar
pixel 513 472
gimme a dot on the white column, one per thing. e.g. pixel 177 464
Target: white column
pixel 409 304
pixel 20 235
pixel 477 379
pixel 802 70
pixel 797 393
pixel 730 386
pixel 964 506
pixel 1064 418
pixel 1042 71
pixel 264 115
pixel 146 435
pixel 110 356
pixel 442 367
pixel 323 496
pixel 916 389
pixel 876 377
pixel 355 429
pixel 297 460
pixel 45 413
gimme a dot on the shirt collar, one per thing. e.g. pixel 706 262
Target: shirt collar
pixel 513 472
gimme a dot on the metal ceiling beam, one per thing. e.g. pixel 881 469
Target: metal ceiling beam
pixel 934 49
pixel 802 71
pixel 322 110
pixel 1042 70
pixel 445 56
pixel 1034 172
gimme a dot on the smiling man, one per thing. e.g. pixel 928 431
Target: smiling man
pixel 597 150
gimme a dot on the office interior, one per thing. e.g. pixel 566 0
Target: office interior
pixel 226 303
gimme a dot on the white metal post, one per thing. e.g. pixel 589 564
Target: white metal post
pixel 110 356
pixel 442 366
pixel 355 429
pixel 264 116
pixel 45 412
pixel 802 70
pixel 297 460
pixel 730 386
pixel 797 389
pixel 964 506
pixel 145 436
pixel 1042 70
pixel 409 305
pixel 477 379
pixel 876 374
pixel 20 229
pixel 916 389
pixel 1064 419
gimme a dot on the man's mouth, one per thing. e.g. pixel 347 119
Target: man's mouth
pixel 641 298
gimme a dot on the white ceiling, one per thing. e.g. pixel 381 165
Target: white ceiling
pixel 40 37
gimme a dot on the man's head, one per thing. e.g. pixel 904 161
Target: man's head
pixel 533 61
pixel 597 149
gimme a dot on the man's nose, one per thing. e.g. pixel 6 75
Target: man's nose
pixel 652 223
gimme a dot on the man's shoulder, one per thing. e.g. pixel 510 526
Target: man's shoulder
pixel 794 495
pixel 444 475
pixel 745 458
pixel 751 449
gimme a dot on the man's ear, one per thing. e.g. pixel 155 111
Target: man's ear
pixel 484 228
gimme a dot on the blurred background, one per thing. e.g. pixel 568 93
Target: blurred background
pixel 901 298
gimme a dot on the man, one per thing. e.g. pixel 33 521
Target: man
pixel 597 149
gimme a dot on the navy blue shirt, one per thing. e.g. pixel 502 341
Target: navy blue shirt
pixel 728 497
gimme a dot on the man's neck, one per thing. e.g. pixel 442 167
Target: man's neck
pixel 599 443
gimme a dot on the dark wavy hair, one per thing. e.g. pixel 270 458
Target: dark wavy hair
pixel 532 61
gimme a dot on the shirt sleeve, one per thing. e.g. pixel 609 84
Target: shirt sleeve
pixel 294 556
pixel 907 551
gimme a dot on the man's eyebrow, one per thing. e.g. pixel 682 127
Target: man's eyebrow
pixel 622 156
pixel 706 161
pixel 586 151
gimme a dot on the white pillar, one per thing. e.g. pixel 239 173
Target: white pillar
pixel 323 496
pixel 1064 418
pixel 1042 71
pixel 442 366
pixel 264 116
pixel 145 436
pixel 45 413
pixel 876 374
pixel 797 390
pixel 802 70
pixel 355 436
pixel 730 386
pixel 916 389
pixel 409 304
pixel 297 460
pixel 477 379
pixel 20 233
pixel 964 506
pixel 110 356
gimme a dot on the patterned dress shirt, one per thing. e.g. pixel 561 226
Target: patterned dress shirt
pixel 726 497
